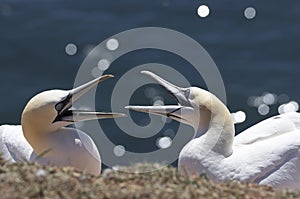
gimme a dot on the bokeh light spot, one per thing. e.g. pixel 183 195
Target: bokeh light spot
pixel 238 117
pixel 250 13
pixel 203 11
pixel 158 102
pixel 119 150
pixel 112 44
pixel 164 142
pixel 292 106
pixel 96 72
pixel 269 98
pixel 263 109
pixel 71 49
pixel 103 64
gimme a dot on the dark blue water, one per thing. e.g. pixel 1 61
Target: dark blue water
pixel 253 56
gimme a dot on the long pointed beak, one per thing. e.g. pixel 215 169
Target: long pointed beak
pixel 158 110
pixel 76 93
pixel 177 112
pixel 81 90
pixel 180 94
pixel 80 115
pixel 68 115
pixel 169 111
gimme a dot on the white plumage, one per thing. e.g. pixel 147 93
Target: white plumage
pixel 13 145
pixel 43 136
pixel 268 153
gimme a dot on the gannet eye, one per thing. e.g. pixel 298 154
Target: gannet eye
pixel 59 106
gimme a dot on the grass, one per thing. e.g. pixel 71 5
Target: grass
pixel 29 180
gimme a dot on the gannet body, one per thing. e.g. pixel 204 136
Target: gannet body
pixel 43 136
pixel 13 145
pixel 267 153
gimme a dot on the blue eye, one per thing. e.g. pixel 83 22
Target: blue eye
pixel 59 107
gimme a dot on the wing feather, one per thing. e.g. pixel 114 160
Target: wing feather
pixel 268 128
pixel 269 152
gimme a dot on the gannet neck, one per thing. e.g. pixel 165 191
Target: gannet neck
pixel 215 124
pixel 38 116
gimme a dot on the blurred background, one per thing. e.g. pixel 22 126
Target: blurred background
pixel 254 43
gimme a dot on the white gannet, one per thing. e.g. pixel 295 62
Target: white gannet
pixel 267 153
pixel 43 137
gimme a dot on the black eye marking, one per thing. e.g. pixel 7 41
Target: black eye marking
pixel 59 106
pixel 277 117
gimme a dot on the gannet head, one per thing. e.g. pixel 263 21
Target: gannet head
pixel 42 119
pixel 51 110
pixel 196 106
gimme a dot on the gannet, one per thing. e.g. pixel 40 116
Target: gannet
pixel 267 153
pixel 43 136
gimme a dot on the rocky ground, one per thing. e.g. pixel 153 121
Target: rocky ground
pixel 34 181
